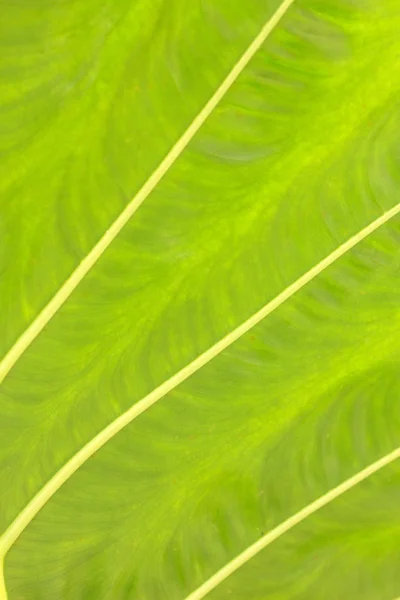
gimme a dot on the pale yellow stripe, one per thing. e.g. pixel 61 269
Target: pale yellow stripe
pixel 3 592
pixel 34 506
pixel 84 267
pixel 284 527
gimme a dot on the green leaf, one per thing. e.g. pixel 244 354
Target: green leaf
pixel 199 299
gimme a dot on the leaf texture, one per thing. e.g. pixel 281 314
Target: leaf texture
pixel 299 156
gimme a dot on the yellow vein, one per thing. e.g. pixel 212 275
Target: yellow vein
pixel 3 592
pixel 87 263
pixel 287 525
pixel 35 505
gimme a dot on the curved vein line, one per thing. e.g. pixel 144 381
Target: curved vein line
pixel 89 261
pixel 287 525
pixel 66 471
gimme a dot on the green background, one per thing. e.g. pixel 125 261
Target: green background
pixel 302 153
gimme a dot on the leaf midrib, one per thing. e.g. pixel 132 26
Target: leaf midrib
pixel 62 295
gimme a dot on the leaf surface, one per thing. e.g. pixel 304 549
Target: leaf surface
pixel 270 246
